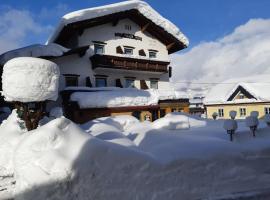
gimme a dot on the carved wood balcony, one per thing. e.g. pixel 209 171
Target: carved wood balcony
pixel 127 63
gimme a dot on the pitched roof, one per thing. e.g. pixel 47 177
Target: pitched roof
pixel 257 86
pixel 138 11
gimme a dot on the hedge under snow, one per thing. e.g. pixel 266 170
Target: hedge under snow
pixel 27 79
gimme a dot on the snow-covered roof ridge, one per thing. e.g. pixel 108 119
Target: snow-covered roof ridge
pixel 258 86
pixel 144 8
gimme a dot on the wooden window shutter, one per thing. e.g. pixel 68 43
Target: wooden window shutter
pixel 170 72
pixel 118 83
pixel 88 82
pixel 119 50
pixel 142 53
pixel 143 85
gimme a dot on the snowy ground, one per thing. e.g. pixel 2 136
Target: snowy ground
pixel 176 157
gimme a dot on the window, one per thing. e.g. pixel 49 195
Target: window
pixel 130 83
pixel 154 83
pixel 128 51
pixel 152 54
pixel 267 110
pixel 221 112
pixel 241 96
pixel 99 48
pixel 71 80
pixel 101 81
pixel 243 112
pixel 128 27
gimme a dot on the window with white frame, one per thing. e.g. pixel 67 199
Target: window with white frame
pixel 152 54
pixel 128 50
pixel 221 112
pixel 101 81
pixel 130 83
pixel 154 83
pixel 243 112
pixel 267 110
pixel 71 80
pixel 128 27
pixel 99 48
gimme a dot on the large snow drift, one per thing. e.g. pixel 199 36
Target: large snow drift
pixel 62 161
pixel 28 79
pixel 141 6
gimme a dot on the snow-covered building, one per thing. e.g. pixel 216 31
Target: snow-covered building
pixel 104 49
pixel 242 95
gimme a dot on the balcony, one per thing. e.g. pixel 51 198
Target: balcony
pixel 127 63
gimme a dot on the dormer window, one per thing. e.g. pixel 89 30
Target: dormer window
pixel 128 50
pixel 99 48
pixel 241 96
pixel 152 53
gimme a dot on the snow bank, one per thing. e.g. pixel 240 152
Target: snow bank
pixel 56 112
pixel 230 125
pixel 37 50
pixel 30 79
pixel 10 135
pixel 252 121
pixel 115 98
pixel 141 6
pixel 177 121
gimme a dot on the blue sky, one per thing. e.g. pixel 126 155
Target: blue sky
pixel 200 20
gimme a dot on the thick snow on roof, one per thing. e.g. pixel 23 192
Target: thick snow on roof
pixel 258 86
pixel 119 97
pixel 36 50
pixel 141 6
pixel 28 79
pixel 115 98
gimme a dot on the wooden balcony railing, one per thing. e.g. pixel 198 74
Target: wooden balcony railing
pixel 126 63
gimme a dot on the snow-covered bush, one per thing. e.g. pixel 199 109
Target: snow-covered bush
pixel 267 119
pixel 28 79
pixel 233 114
pixel 214 115
pixel 230 126
pixel 254 114
pixel 252 122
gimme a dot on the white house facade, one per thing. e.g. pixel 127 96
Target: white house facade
pixel 122 48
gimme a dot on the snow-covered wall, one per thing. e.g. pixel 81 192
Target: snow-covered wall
pixel 106 33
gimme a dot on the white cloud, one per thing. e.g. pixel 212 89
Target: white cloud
pixel 16 26
pixel 244 52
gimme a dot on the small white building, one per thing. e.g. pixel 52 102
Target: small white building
pixel 102 49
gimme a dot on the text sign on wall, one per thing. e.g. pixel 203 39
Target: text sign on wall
pixel 127 35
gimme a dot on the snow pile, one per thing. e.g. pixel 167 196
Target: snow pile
pixel 257 86
pixel 230 125
pixel 177 121
pixel 111 129
pixel 146 10
pixel 233 114
pixel 115 98
pixel 37 50
pixel 267 119
pixel 252 121
pixel 28 79
pixel 10 135
pixel 56 112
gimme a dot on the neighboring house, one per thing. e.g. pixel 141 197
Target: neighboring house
pixel 243 95
pixel 196 105
pixel 100 50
